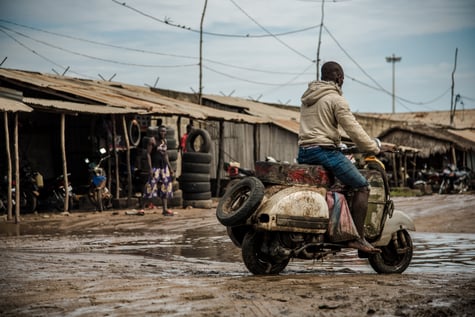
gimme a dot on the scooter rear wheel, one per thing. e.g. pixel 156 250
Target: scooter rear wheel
pixel 255 260
pixel 395 257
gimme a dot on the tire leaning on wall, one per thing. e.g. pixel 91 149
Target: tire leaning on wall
pixel 196 166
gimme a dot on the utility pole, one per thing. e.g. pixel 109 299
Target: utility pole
pixel 200 94
pixel 452 106
pixel 320 41
pixel 393 59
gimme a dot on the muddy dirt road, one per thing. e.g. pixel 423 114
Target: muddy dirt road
pixel 113 264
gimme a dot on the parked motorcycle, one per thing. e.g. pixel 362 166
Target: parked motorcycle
pixel 30 184
pixel 282 213
pixel 53 194
pixel 454 180
pixel 428 180
pixel 98 194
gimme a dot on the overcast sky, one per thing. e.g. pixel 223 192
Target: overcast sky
pixel 256 49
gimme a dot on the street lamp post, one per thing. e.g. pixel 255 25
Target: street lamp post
pixel 393 59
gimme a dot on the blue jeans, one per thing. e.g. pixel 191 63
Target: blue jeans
pixel 335 162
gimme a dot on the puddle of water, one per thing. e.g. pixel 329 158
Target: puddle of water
pixel 433 252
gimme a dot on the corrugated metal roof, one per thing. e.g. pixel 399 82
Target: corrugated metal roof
pixel 74 107
pixel 463 139
pixel 468 135
pixel 290 125
pixel 463 119
pixel 10 105
pixel 283 117
pixel 258 109
pixel 133 99
pixel 203 112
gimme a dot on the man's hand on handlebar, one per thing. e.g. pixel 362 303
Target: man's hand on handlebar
pixel 388 147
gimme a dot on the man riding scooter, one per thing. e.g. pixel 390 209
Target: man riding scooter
pixel 323 109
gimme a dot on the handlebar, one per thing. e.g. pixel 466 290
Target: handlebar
pixel 354 150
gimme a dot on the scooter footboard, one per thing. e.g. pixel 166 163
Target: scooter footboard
pixel 295 209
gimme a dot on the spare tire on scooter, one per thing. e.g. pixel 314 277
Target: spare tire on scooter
pixel 240 201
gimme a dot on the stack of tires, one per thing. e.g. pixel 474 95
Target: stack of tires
pixel 172 145
pixel 195 170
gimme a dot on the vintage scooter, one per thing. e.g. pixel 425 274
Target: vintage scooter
pixel 283 212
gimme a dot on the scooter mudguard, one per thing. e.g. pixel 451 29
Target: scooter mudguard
pixel 398 221
pixel 294 209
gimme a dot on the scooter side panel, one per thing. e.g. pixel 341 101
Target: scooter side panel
pixel 295 209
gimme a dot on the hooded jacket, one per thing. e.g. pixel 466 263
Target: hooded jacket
pixel 323 109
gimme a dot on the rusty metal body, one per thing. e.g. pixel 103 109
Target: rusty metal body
pixel 297 192
pixel 292 218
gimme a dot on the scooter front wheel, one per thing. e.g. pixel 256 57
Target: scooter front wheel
pixel 256 261
pixel 395 257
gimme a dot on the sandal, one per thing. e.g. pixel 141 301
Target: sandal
pixel 168 213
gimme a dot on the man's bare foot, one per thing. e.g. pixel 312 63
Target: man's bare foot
pixel 363 245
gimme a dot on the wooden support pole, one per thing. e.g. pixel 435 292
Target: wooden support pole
pixel 17 170
pixel 65 163
pixel 9 167
pixel 116 157
pixel 129 172
pixel 393 159
pixel 220 158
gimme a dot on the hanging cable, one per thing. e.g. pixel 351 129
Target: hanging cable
pixel 167 21
pixel 268 32
pixel 150 52
pixel 95 57
pixel 40 55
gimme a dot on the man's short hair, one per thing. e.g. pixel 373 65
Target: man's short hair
pixel 330 70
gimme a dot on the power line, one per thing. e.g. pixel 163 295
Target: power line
pixel 243 79
pixel 379 87
pixel 38 54
pixel 168 22
pixel 354 61
pixel 468 98
pixel 148 51
pixel 289 82
pixel 95 57
pixel 268 32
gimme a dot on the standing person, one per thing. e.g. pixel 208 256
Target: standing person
pixel 159 183
pixel 189 127
pixel 323 109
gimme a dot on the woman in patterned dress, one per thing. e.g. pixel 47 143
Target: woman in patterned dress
pixel 159 183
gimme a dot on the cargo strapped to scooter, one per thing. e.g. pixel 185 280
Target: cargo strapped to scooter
pixel 293 174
